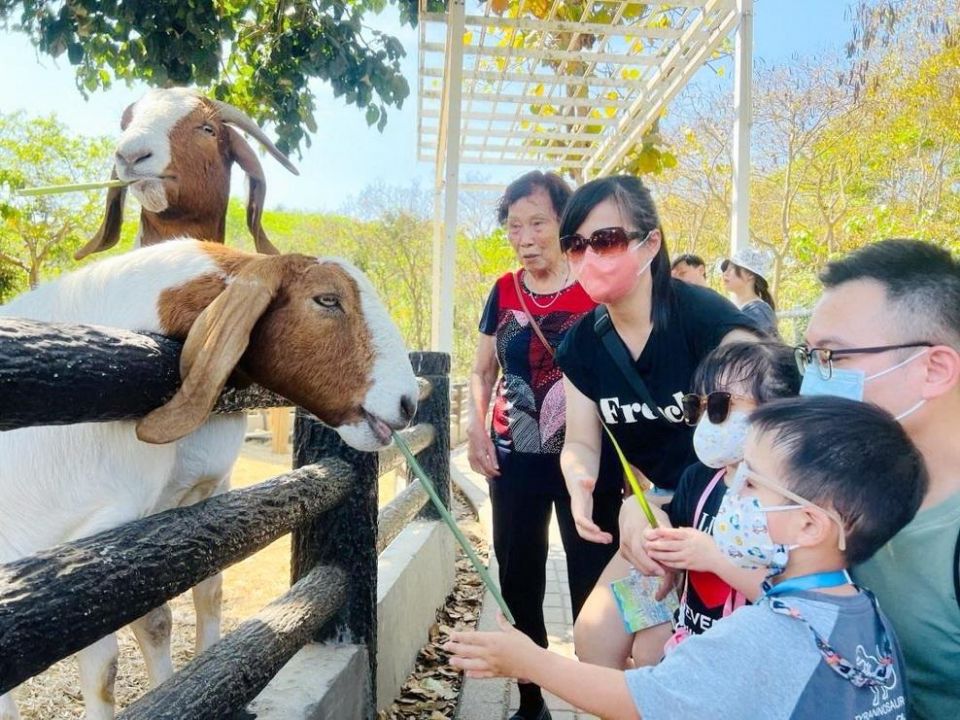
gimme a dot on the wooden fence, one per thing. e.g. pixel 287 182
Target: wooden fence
pixel 62 599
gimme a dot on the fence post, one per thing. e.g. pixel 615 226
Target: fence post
pixel 435 410
pixel 346 537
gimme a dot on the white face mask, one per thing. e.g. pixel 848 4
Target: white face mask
pixel 720 445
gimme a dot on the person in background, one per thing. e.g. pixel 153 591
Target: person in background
pixel 626 365
pixel 887 330
pixel 527 314
pixel 690 268
pixel 745 276
pixel 814 645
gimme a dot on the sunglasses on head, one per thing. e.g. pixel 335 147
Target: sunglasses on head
pixel 717 405
pixel 602 240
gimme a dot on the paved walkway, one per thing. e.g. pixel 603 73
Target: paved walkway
pixel 498 699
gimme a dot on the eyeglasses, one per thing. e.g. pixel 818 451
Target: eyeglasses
pixel 716 403
pixel 601 240
pixel 744 472
pixel 823 357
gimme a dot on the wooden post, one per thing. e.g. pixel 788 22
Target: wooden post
pixel 280 430
pixel 346 537
pixel 435 410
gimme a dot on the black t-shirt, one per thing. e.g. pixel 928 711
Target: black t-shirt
pixel 698 320
pixel 706 593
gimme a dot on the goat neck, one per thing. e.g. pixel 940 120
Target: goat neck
pixel 159 227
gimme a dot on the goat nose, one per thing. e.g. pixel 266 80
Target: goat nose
pixel 132 157
pixel 408 408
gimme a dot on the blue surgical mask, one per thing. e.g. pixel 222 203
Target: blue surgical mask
pixel 849 383
pixel 842 383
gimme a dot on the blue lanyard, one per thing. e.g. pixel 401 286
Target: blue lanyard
pixel 813 581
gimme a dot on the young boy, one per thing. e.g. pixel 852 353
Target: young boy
pixel 825 482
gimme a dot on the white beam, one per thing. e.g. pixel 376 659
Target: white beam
pixel 550 54
pixel 545 79
pixel 531 99
pixel 530 118
pixel 442 316
pixel 554 26
pixel 526 151
pixel 498 161
pixel 429 131
pixel 742 122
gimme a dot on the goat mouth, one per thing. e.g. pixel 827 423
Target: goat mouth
pixel 378 427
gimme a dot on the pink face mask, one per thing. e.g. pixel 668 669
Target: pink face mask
pixel 609 277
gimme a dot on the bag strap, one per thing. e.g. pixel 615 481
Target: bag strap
pixel 533 322
pixel 706 494
pixel 696 521
pixel 618 352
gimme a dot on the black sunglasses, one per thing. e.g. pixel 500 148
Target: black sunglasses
pixel 716 403
pixel 823 357
pixel 600 240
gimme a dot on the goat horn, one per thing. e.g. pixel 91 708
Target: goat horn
pixel 234 116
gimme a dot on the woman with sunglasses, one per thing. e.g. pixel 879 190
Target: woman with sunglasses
pixel 731 382
pixel 528 312
pixel 627 364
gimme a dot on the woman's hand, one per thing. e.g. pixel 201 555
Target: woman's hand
pixel 633 523
pixel 682 549
pixel 481 453
pixel 581 507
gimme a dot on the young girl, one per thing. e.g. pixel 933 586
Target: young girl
pixel 745 276
pixel 730 382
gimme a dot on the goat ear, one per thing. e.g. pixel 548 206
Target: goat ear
pixel 247 159
pixel 215 343
pixel 127 116
pixel 109 232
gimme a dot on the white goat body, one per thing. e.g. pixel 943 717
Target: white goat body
pixel 65 482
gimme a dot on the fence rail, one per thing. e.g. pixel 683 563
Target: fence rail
pixel 62 599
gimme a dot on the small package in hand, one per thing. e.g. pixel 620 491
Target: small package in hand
pixel 635 595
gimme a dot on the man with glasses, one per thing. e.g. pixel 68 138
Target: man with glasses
pixel 887 331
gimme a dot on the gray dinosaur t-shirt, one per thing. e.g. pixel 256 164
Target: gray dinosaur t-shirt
pixel 760 664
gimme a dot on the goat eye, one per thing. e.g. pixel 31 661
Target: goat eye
pixel 209 130
pixel 327 301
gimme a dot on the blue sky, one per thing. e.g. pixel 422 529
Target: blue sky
pixel 346 155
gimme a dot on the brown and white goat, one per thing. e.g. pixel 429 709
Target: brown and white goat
pixel 311 329
pixel 176 150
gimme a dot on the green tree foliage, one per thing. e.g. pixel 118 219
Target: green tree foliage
pixel 256 54
pixel 38 235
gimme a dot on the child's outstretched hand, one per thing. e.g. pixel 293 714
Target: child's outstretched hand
pixel 509 653
pixel 682 549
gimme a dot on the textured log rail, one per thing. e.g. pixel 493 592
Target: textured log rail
pixel 233 671
pixel 418 437
pixel 393 517
pixel 60 600
pixel 54 374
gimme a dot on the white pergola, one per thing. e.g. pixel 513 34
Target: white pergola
pixel 562 93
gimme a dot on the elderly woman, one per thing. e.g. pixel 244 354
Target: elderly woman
pixel 527 315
